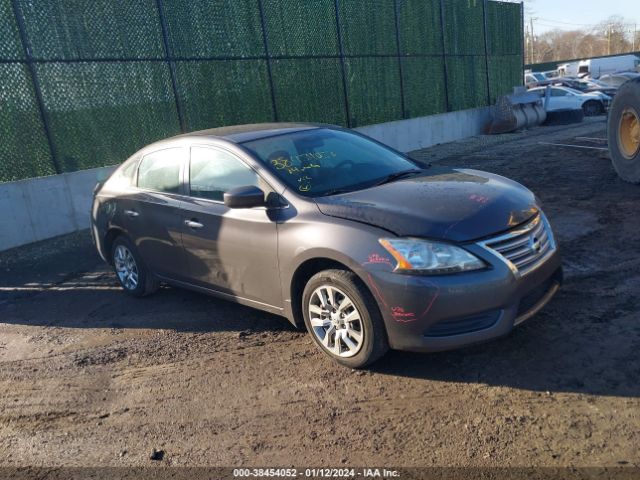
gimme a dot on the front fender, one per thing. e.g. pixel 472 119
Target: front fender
pixel 351 244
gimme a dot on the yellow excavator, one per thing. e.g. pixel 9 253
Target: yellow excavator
pixel 624 131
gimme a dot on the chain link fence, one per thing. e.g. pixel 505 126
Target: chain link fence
pixel 86 83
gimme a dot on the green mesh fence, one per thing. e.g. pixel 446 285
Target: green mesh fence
pixel 424 86
pixel 504 74
pixel 296 28
pixel 309 90
pixel 464 27
pixel 504 20
pixel 95 80
pixel 100 113
pixel 224 92
pixel 373 90
pixel 214 28
pixel 467 82
pixel 369 27
pixel 10 47
pixel 24 151
pixel 420 24
pixel 92 29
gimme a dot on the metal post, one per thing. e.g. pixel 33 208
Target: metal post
pixel 486 50
pixel 523 43
pixel 444 56
pixel 342 66
pixel 398 49
pixel 268 58
pixel 28 52
pixel 172 66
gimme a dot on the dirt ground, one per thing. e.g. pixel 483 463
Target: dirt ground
pixel 91 377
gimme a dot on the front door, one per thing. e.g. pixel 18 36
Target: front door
pixel 229 250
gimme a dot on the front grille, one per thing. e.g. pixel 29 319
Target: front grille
pixel 526 246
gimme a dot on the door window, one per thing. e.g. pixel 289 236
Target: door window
pixel 160 171
pixel 213 172
pixel 555 92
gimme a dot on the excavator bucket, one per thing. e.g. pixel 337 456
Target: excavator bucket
pixel 521 109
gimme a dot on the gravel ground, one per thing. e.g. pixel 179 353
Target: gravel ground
pixel 89 376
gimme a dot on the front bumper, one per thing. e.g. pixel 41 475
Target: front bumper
pixel 435 313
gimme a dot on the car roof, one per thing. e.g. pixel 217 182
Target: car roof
pixel 237 133
pixel 254 131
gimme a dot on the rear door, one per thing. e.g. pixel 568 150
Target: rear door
pixel 229 250
pixel 561 99
pixel 153 213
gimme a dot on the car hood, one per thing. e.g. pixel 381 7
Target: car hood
pixel 445 204
pixel 597 94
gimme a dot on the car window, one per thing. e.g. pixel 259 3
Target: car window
pixel 212 172
pixel 322 161
pixel 556 92
pixel 618 81
pixel 124 176
pixel 160 170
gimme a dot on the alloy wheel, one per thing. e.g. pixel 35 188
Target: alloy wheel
pixel 335 321
pixel 126 267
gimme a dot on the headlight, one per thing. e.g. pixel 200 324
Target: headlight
pixel 424 256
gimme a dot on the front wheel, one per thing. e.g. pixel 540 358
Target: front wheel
pixel 592 108
pixel 343 318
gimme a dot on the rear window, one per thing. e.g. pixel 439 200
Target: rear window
pixel 124 176
pixel 160 171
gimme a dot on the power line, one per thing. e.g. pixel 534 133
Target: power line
pixel 546 21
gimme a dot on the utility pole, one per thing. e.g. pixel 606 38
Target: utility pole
pixel 532 41
pixel 633 39
pixel 609 36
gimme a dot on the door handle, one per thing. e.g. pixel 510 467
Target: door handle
pixel 131 213
pixel 193 224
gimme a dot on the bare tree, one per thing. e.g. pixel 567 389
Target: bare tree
pixel 614 30
pixel 612 36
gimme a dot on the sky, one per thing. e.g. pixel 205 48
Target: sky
pixel 549 13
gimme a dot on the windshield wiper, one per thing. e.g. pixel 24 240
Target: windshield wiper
pixel 336 191
pixel 397 176
pixel 387 179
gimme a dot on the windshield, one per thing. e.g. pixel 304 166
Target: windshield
pixel 539 76
pixel 323 161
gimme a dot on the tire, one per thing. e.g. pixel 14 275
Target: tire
pixel 626 106
pixel 134 277
pixel 333 335
pixel 592 108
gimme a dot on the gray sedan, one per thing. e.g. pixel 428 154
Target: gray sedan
pixel 333 231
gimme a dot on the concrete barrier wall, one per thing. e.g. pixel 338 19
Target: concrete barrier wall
pixel 40 208
pixel 422 132
pixel 45 207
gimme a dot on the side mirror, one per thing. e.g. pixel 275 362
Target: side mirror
pixel 244 197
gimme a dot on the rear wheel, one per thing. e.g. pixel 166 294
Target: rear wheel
pixel 343 318
pixel 134 277
pixel 624 132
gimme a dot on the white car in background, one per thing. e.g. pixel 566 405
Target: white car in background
pixel 564 98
